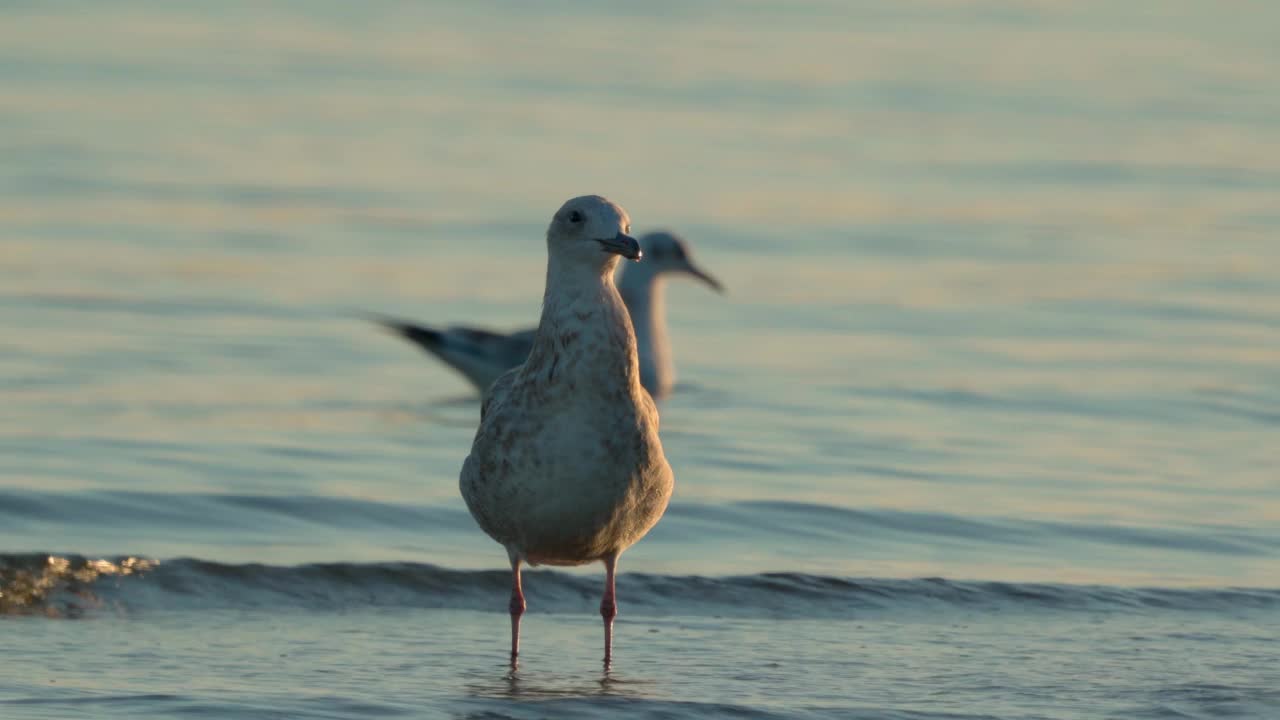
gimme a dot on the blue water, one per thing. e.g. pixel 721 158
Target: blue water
pixel 985 426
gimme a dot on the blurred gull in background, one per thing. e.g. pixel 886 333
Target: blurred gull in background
pixel 482 355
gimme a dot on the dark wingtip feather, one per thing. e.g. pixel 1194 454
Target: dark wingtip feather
pixel 427 337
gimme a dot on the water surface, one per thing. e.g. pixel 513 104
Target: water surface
pixel 985 426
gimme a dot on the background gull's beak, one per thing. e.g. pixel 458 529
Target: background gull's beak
pixel 621 244
pixel 705 277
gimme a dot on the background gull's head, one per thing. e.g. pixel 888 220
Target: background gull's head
pixel 666 252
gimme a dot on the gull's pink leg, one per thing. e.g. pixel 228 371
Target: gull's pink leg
pixel 517 608
pixel 609 607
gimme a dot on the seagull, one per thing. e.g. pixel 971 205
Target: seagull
pixel 566 467
pixel 482 355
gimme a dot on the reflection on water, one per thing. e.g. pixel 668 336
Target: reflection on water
pixel 540 684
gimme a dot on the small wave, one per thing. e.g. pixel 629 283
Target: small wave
pixel 71 586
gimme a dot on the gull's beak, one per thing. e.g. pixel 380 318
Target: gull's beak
pixel 621 244
pixel 705 277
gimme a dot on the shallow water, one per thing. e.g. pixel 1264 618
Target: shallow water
pixel 985 426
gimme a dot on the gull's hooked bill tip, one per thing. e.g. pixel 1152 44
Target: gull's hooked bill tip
pixel 621 244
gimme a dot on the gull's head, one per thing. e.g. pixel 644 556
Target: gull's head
pixel 593 231
pixel 666 252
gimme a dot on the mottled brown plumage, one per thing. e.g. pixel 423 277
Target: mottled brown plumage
pixel 566 467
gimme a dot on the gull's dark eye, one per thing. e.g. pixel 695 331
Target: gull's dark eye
pixel 575 217
pixel 678 252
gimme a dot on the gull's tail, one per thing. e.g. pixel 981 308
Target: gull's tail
pixel 479 355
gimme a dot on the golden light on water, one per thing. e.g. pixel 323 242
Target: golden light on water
pixel 60 586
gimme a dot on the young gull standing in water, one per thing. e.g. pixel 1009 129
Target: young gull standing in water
pixel 481 355
pixel 566 467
